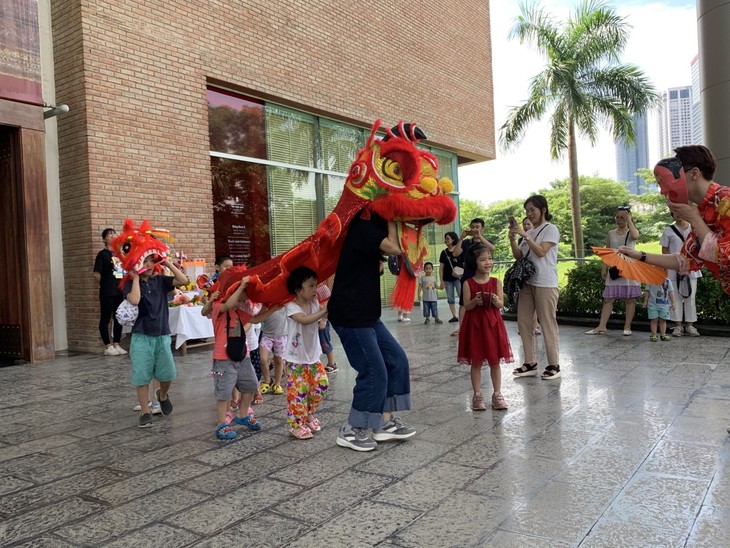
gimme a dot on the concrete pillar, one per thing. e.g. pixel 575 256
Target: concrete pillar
pixel 713 31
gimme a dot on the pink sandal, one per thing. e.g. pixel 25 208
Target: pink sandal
pixel 314 425
pixel 303 433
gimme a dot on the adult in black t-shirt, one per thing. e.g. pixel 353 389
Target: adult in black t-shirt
pixel 108 273
pixel 383 376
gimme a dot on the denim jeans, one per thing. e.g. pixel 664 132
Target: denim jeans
pixel 432 307
pixel 383 377
pixel 451 288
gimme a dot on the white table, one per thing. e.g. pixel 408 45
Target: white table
pixel 186 323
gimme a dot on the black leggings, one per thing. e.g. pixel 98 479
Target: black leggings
pixel 108 307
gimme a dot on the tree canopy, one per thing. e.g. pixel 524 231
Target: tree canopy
pixel 599 198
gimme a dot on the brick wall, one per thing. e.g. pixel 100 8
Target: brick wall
pixel 134 73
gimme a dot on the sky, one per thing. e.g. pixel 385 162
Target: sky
pixel 662 43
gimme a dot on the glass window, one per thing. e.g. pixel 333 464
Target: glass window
pixel 340 145
pixel 236 125
pixel 290 137
pixel 293 207
pixel 240 211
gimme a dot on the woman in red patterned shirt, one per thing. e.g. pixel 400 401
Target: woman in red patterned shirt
pixel 707 210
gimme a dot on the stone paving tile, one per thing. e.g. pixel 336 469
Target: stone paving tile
pixel 156 534
pixel 563 512
pixel 57 491
pixel 219 513
pixel 365 524
pixel 42 520
pixel 327 499
pixel 459 520
pixel 661 502
pixel 118 521
pixel 9 484
pixel 611 533
pixel 711 528
pixel 630 443
pixel 268 529
pixel 427 487
pixel 148 482
pixel 681 459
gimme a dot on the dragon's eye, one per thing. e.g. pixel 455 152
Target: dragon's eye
pixel 392 169
pixel 126 247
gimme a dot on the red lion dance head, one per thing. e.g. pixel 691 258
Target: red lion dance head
pixel 391 177
pixel 134 245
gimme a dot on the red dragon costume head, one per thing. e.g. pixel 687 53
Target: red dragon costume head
pixel 134 245
pixel 391 177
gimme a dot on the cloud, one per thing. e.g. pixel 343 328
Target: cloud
pixel 663 42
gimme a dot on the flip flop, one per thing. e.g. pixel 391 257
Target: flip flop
pixel 596 332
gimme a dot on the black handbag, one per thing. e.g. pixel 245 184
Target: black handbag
pixel 235 346
pixel 614 273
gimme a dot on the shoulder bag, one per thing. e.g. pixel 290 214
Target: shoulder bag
pixel 682 279
pixel 235 346
pixel 517 275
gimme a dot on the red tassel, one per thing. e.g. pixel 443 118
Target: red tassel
pixel 404 292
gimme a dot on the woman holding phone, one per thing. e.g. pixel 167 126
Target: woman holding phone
pixel 540 293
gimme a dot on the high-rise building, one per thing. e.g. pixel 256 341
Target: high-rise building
pixel 697 137
pixel 675 119
pixel 632 156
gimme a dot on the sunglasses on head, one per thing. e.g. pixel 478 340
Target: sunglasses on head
pixel 624 208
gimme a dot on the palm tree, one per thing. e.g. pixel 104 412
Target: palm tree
pixel 583 84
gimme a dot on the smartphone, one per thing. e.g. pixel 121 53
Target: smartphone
pixel 512 222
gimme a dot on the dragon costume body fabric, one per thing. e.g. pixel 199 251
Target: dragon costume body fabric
pixel 390 177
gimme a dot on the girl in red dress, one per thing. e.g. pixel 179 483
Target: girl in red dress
pixel 483 338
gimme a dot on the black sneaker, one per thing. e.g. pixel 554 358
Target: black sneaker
pixel 454 320
pixel 165 405
pixel 145 420
pixel 355 438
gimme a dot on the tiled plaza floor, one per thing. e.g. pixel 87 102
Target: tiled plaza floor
pixel 629 448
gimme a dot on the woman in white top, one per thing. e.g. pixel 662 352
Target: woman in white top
pixel 625 234
pixel 685 287
pixel 540 293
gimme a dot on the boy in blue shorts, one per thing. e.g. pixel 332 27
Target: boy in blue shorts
pixel 658 299
pixel 150 349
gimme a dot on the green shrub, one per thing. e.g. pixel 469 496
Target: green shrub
pixel 582 296
pixel 713 304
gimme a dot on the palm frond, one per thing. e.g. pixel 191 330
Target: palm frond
pixel 536 27
pixel 595 34
pixel 559 122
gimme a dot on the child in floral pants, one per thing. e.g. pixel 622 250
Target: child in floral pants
pixel 306 383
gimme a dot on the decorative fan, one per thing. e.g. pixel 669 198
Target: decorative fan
pixel 633 269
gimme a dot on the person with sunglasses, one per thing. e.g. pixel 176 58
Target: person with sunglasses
pixel 617 287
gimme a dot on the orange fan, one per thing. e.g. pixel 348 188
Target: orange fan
pixel 633 269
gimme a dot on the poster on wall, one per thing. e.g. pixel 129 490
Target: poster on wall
pixel 20 56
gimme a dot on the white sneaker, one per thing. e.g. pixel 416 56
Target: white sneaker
pixel 692 331
pixel 677 331
pixel 150 404
pixel 110 351
pixel 406 319
pixel 120 350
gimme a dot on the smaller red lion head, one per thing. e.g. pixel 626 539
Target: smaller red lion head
pixel 134 245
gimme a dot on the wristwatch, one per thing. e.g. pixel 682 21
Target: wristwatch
pixel 643 257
